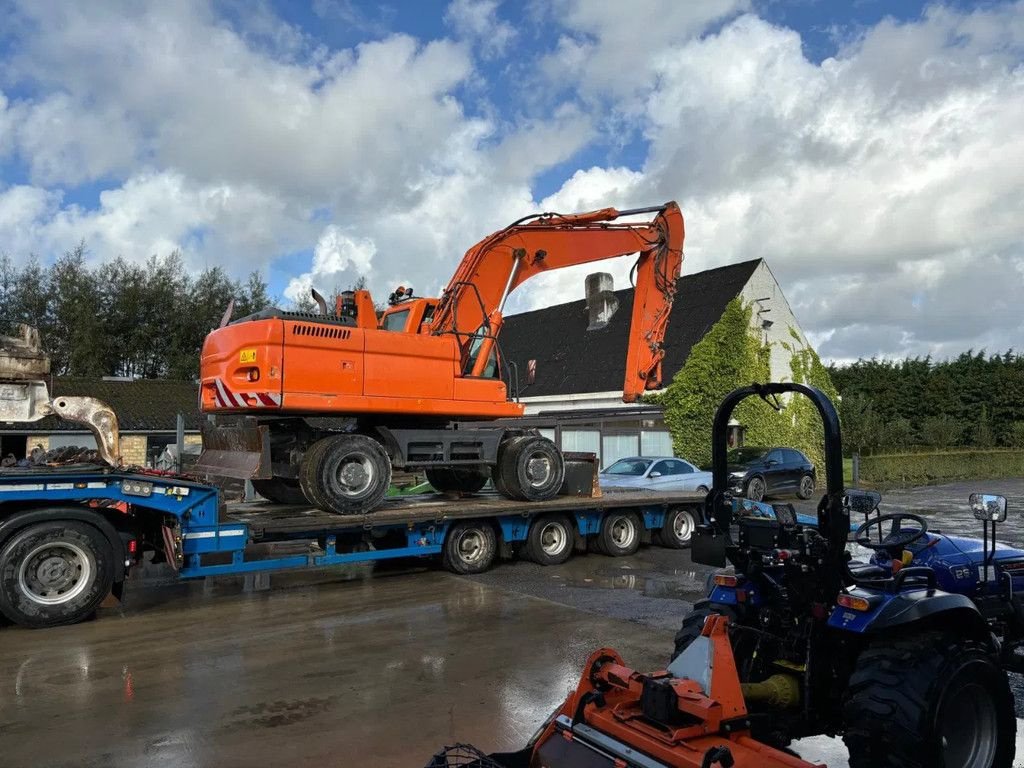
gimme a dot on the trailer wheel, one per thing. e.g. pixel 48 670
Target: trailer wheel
pixel 470 547
pixel 459 479
pixel 346 474
pixel 678 528
pixel 280 490
pixel 619 534
pixel 532 469
pixel 550 540
pixel 929 698
pixel 54 573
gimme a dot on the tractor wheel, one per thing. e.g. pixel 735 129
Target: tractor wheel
pixel 678 528
pixel 929 699
pixel 532 469
pixel 806 489
pixel 755 489
pixel 346 474
pixel 54 573
pixel 280 490
pixel 619 534
pixel 550 540
pixel 470 547
pixel 693 623
pixel 457 479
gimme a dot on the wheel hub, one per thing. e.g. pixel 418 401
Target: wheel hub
pixel 683 526
pixel 471 546
pixel 538 470
pixel 623 532
pixel 355 474
pixel 552 539
pixel 55 573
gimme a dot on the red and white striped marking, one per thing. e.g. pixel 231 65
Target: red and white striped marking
pixel 225 398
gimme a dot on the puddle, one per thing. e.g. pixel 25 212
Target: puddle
pixel 677 585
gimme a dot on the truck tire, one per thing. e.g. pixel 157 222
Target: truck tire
pixel 469 547
pixel 550 540
pixel 678 528
pixel 532 469
pixel 346 474
pixel 458 479
pixel 619 534
pixel 929 699
pixel 54 573
pixel 280 490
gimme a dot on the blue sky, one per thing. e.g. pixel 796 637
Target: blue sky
pixel 869 150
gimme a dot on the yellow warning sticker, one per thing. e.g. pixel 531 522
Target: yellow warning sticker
pixel 247 356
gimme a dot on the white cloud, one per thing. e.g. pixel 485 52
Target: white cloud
pixel 478 20
pixel 338 257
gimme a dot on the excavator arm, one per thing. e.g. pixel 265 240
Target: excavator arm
pixel 472 304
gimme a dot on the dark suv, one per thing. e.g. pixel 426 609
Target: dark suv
pixel 755 473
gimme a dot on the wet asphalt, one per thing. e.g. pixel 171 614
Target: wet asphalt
pixel 370 665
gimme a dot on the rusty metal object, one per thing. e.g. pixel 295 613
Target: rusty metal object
pixel 23 364
pixel 99 418
pixel 241 452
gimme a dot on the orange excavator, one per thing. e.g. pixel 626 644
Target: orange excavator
pixel 332 401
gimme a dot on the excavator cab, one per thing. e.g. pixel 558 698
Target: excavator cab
pixel 410 315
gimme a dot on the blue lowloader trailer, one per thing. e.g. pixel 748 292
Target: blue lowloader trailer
pixel 70 536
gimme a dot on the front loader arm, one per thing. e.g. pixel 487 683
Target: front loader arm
pixel 471 306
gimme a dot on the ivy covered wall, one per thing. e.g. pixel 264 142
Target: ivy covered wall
pixel 731 355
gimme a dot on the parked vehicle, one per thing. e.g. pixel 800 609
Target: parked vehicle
pixel 656 473
pixel 756 473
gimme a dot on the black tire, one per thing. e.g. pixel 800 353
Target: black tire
pixel 755 489
pixel 619 534
pixel 532 469
pixel 550 540
pixel 929 699
pixel 680 523
pixel 281 490
pixel 457 479
pixel 54 573
pixel 702 489
pixel 469 547
pixel 346 474
pixel 497 473
pixel 806 487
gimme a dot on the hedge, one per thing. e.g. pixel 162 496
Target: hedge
pixel 936 467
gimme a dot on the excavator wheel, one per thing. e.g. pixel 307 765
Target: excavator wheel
pixel 346 474
pixel 459 479
pixel 532 469
pixel 497 476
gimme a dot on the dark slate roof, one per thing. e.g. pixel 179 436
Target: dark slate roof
pixel 141 405
pixel 572 360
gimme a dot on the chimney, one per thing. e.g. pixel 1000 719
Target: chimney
pixel 601 301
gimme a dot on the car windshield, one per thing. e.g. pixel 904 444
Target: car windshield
pixel 745 455
pixel 635 467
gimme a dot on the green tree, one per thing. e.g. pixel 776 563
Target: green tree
pixel 941 431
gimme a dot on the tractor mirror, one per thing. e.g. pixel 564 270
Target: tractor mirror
pixel 864 502
pixel 988 507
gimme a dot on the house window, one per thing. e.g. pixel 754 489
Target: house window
pixel 655 443
pixel 615 447
pixel 583 440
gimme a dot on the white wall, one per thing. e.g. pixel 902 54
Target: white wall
pixel 763 286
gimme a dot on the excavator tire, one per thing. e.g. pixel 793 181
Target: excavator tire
pixel 927 699
pixel 532 469
pixel 280 490
pixel 346 474
pixel 459 479
pixel 497 474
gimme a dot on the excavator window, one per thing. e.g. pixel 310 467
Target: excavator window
pixel 491 370
pixel 395 321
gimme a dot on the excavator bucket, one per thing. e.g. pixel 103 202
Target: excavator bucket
pixel 238 451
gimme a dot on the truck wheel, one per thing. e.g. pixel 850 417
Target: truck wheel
pixel 470 547
pixel 678 528
pixel 532 469
pixel 459 479
pixel 54 573
pixel 550 540
pixel 929 699
pixel 619 534
pixel 281 490
pixel 806 489
pixel 346 474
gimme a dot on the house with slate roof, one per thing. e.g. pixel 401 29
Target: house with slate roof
pixel 576 396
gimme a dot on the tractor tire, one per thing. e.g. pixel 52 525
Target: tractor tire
pixel 280 490
pixel 532 469
pixel 550 540
pixel 693 623
pixel 755 489
pixel 457 479
pixel 806 488
pixel 929 699
pixel 346 474
pixel 54 573
pixel 678 528
pixel 620 534
pixel 469 547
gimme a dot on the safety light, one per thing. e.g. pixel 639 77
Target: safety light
pixel 136 488
pixel 725 580
pixel 854 603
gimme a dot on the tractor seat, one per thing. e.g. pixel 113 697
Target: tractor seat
pixel 862 570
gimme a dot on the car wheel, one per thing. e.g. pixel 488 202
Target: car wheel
pixel 702 489
pixel 755 489
pixel 806 489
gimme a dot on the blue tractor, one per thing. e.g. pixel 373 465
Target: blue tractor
pixel 904 654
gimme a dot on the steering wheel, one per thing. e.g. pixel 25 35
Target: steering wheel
pixel 897 538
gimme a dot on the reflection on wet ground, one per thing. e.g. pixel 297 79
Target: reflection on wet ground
pixel 376 665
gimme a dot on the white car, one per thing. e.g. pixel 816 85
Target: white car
pixel 655 473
